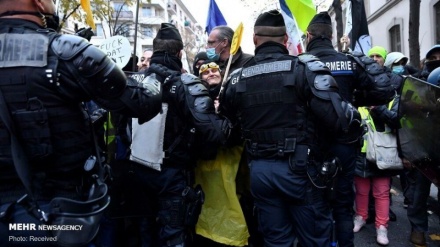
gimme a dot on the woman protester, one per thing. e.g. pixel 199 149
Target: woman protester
pixel 368 176
pixel 221 221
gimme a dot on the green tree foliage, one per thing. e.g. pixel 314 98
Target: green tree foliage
pixel 103 10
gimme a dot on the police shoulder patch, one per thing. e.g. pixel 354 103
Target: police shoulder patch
pixel 305 58
pixel 265 68
pixel 189 78
pixel 23 50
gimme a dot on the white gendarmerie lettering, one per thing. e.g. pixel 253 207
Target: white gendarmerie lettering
pixel 266 68
pixel 138 77
pixel 339 65
pixel 23 50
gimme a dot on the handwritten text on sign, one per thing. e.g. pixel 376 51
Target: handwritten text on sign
pixel 118 48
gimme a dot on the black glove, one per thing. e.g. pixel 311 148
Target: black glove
pixel 86 33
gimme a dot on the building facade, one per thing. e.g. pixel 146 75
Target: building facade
pixel 149 14
pixel 388 24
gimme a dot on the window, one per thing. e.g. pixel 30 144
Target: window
pixel 99 30
pixel 396 44
pixel 437 22
pixel 122 11
pixel 123 30
pixel 148 32
pixel 147 12
pixel 121 7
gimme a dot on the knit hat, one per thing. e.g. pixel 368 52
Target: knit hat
pixel 321 18
pixel 168 31
pixel 272 18
pixel 378 50
pixel 394 57
pixel 200 56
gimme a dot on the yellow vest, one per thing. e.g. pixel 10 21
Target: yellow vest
pixel 368 120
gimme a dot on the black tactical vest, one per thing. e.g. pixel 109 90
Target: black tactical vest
pixel 53 129
pixel 273 111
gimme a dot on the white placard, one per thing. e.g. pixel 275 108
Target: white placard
pixel 118 48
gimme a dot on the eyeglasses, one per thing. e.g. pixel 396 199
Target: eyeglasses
pixel 212 42
pixel 210 65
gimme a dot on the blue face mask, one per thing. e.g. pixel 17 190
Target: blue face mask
pixel 210 53
pixel 399 69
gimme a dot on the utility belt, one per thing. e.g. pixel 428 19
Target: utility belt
pixel 272 143
pixel 283 143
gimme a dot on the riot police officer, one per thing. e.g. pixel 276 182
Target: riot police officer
pixel 190 120
pixel 44 78
pixel 278 101
pixel 362 82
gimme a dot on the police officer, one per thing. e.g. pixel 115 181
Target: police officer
pixel 190 119
pixel 362 82
pixel 278 101
pixel 44 78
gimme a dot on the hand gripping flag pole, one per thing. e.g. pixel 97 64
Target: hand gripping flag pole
pixel 236 40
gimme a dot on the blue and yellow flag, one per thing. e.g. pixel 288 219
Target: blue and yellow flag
pixel 215 17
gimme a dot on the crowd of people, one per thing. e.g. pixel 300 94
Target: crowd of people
pixel 267 149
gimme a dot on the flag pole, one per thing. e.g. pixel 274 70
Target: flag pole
pixel 135 36
pixel 348 23
pixel 301 43
pixel 236 40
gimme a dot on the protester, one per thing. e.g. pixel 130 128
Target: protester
pixel 362 82
pixel 432 61
pixel 381 56
pixel 378 54
pixel 189 113
pixel 199 59
pixel 278 108
pixel 419 185
pixel 218 49
pixel 369 179
pixel 42 88
pixel 144 63
pixel 397 63
pixel 221 222
pixel 371 183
